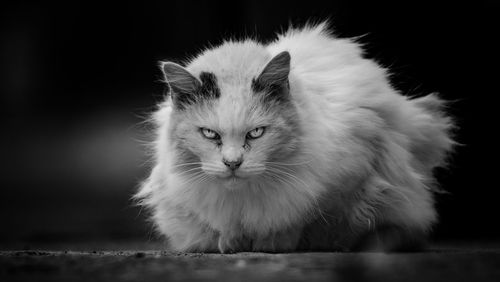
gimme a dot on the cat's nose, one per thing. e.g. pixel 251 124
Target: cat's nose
pixel 232 164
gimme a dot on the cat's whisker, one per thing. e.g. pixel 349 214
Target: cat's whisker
pixel 292 170
pixel 194 181
pixel 255 166
pixel 291 176
pixel 289 164
pixel 190 178
pixel 202 180
pixel 188 170
pixel 254 170
pixel 187 164
pixel 214 167
pixel 280 175
pixel 294 184
pixel 199 165
pixel 190 174
pixel 280 178
pixel 214 172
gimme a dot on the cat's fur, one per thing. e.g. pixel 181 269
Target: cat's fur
pixel 345 160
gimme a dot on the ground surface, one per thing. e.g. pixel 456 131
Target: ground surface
pixel 443 263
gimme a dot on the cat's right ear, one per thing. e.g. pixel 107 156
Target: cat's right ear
pixel 183 85
pixel 276 71
pixel 273 80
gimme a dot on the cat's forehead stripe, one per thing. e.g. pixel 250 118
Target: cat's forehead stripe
pixel 209 88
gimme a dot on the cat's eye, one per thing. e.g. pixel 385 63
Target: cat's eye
pixel 255 133
pixel 209 133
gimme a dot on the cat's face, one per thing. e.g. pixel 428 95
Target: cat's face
pixel 237 139
pixel 233 132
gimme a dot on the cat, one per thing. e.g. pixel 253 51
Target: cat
pixel 298 145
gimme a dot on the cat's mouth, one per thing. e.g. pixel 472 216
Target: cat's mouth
pixel 234 182
pixel 233 177
pixel 230 175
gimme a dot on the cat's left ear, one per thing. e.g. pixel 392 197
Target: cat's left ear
pixel 183 85
pixel 275 73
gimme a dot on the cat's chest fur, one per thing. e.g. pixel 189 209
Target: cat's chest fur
pixel 258 208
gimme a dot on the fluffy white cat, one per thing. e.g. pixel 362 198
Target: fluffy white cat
pixel 301 144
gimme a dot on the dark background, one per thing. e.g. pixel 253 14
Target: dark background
pixel 77 79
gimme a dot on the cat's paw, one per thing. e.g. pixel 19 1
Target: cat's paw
pixel 391 239
pixel 278 242
pixel 231 244
pixel 273 245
